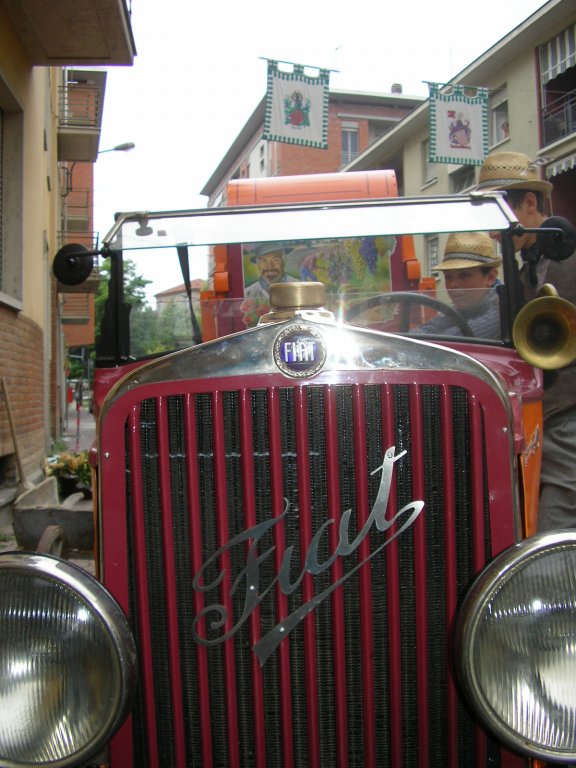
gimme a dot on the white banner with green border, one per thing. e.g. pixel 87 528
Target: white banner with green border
pixel 297 106
pixel 458 124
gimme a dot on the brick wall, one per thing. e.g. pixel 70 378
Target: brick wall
pixel 79 307
pixel 55 374
pixel 22 368
pixel 293 160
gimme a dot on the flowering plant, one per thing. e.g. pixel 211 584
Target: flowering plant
pixel 70 464
pixel 253 309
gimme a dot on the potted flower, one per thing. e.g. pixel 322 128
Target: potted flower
pixel 72 470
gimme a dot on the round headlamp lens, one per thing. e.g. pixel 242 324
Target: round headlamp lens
pixel 517 646
pixel 66 663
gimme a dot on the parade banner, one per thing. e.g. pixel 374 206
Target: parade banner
pixel 297 106
pixel 458 124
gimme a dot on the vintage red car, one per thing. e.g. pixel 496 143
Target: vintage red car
pixel 316 527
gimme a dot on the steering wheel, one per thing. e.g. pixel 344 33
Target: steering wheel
pixel 405 299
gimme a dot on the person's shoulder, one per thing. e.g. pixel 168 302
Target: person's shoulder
pixel 562 275
pixel 254 290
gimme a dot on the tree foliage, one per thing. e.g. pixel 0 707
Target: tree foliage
pixel 151 332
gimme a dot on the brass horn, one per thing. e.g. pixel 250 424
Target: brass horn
pixel 544 331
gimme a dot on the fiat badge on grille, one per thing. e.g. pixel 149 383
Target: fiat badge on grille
pixel 299 351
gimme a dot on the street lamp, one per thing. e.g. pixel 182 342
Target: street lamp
pixel 125 147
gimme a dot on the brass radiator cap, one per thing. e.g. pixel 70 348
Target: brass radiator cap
pixel 288 298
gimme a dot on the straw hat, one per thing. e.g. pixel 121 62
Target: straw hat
pixel 469 249
pixel 263 249
pixel 511 170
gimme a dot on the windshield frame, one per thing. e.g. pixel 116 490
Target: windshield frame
pixel 181 229
pixel 335 219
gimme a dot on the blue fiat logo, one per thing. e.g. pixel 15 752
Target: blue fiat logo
pixel 299 351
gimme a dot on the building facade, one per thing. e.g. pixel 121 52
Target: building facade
pixel 355 121
pixel 531 78
pixel 49 121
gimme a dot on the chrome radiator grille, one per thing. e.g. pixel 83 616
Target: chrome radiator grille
pixel 360 679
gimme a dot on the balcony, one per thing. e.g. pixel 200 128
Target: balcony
pixel 77 309
pixel 76 209
pixel 74 32
pixel 559 118
pixel 80 104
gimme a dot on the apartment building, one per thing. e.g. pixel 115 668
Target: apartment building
pixel 355 121
pixel 50 113
pixel 531 78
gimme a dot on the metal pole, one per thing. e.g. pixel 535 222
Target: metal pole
pixel 78 406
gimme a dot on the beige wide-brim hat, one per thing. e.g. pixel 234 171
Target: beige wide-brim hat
pixel 469 249
pixel 511 170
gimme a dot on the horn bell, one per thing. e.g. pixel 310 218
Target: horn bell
pixel 544 331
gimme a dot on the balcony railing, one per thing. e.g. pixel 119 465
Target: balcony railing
pixel 559 118
pixel 80 117
pixel 77 210
pixel 76 308
pixel 87 239
pixel 80 105
pixel 347 157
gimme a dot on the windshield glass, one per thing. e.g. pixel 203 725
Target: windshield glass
pixel 373 281
pixel 183 287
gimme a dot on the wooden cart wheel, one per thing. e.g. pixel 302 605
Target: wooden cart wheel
pixel 53 541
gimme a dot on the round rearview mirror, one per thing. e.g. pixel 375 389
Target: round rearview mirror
pixel 557 238
pixel 73 264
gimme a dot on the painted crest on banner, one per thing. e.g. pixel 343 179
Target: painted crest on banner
pixel 296 110
pixel 459 132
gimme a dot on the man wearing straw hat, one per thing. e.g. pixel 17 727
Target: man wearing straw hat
pixel 527 194
pixel 470 269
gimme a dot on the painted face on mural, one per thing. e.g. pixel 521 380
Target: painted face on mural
pixel 271 266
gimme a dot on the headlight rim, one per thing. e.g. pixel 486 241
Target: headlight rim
pixel 469 614
pixel 108 611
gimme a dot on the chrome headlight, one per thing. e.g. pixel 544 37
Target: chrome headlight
pixel 67 662
pixel 516 646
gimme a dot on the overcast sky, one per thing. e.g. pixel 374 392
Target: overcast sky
pixel 200 71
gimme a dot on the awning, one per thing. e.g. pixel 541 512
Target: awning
pixel 561 165
pixel 558 55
